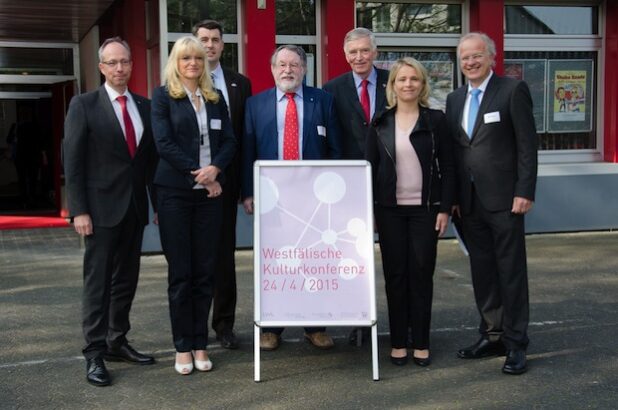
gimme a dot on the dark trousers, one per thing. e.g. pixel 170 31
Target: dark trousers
pixel 224 304
pixel 408 242
pixel 111 270
pixel 279 330
pixel 189 224
pixel 497 245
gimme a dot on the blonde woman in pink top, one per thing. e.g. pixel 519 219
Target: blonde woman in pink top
pixel 410 151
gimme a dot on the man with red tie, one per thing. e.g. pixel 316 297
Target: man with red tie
pixel 109 160
pixel 288 122
pixel 360 94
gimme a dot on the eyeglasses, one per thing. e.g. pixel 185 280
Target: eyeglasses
pixel 293 66
pixel 473 57
pixel 114 63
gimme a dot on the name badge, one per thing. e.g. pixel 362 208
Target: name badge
pixel 215 124
pixel 322 130
pixel 491 117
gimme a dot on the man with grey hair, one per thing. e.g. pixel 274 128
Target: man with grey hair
pixel 109 160
pixel 496 143
pixel 288 122
pixel 360 95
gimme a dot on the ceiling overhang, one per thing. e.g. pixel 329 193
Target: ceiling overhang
pixel 56 21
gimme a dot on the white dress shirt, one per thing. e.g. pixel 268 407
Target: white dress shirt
pixel 282 105
pixel 482 87
pixel 138 125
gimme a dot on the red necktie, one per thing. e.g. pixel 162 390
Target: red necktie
pixel 128 126
pixel 290 129
pixel 364 100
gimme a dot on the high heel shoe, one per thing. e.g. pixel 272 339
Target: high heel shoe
pixel 399 361
pixel 422 361
pixel 183 369
pixel 202 365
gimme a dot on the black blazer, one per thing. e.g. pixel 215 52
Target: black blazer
pixel 433 145
pixel 501 157
pixel 102 179
pixel 177 137
pixel 349 111
pixel 238 90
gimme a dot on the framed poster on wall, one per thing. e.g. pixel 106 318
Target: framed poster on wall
pixel 570 95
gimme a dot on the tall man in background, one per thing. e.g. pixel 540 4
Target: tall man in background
pixel 109 160
pixel 496 156
pixel 360 95
pixel 236 88
pixel 288 122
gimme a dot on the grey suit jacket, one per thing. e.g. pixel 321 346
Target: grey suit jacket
pixel 102 179
pixel 349 112
pixel 501 156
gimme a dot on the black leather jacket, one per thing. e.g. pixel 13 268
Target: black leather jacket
pixel 433 145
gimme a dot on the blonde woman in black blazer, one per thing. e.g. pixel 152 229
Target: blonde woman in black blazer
pixel 195 141
pixel 410 151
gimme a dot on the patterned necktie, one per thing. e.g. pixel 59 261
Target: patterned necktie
pixel 290 129
pixel 364 100
pixel 473 110
pixel 128 125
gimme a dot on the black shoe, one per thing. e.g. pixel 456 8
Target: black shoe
pixel 365 335
pixel 424 362
pixel 125 353
pixel 228 340
pixel 399 361
pixel 515 362
pixel 96 373
pixel 482 348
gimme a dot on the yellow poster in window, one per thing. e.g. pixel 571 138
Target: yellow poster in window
pixel 570 95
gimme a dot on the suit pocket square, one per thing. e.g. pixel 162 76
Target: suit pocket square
pixel 322 130
pixel 491 117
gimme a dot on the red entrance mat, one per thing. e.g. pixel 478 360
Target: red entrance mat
pixel 30 222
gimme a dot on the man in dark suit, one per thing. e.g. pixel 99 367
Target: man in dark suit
pixel 109 159
pixel 288 122
pixel 353 112
pixel 496 151
pixel 236 88
pixel 360 51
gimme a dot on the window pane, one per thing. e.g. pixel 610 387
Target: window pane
pixel 440 67
pixel 36 61
pixel 183 14
pixel 229 57
pixel 409 17
pixel 563 88
pixel 295 17
pixel 551 20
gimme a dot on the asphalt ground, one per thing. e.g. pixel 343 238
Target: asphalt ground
pixel 573 354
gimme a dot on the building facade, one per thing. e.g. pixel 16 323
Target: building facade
pixel 565 50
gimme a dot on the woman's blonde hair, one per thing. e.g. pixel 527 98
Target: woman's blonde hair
pixel 188 45
pixel 423 96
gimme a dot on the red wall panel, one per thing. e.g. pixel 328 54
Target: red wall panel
pixel 259 43
pixel 611 84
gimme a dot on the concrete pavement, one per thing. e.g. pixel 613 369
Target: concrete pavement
pixel 573 355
